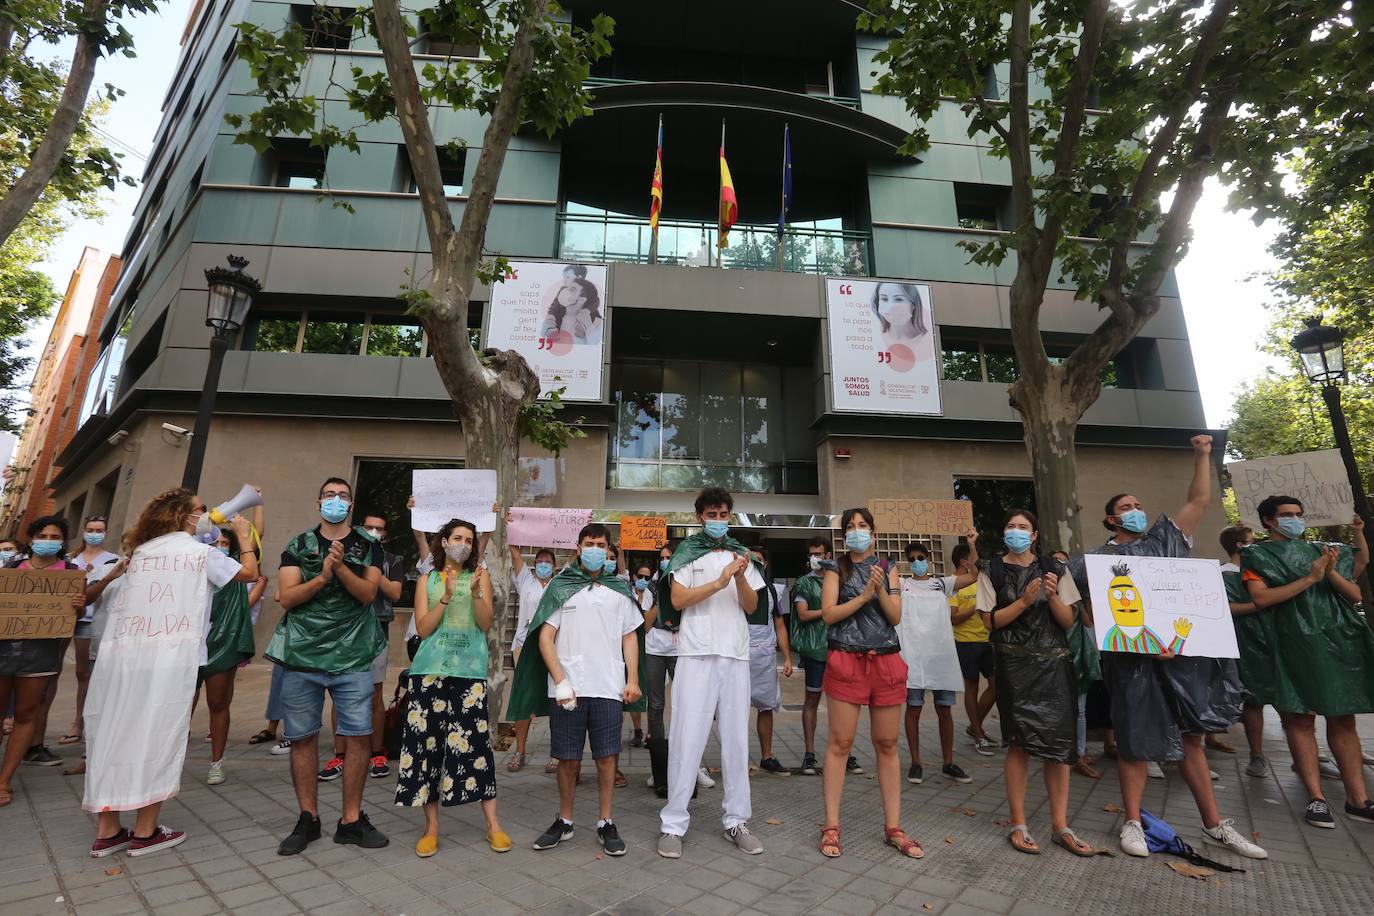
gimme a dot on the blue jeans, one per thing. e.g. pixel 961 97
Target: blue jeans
pixel 917 697
pixel 275 711
pixel 302 697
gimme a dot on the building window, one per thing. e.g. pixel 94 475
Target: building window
pixel 382 488
pixel 324 26
pixel 990 88
pixel 440 41
pixel 451 162
pixel 296 164
pixel 963 362
pixel 992 499
pixel 343 333
pixel 394 336
pixel 982 206
pixel 999 361
pixel 333 332
pixel 974 361
pixel 273 333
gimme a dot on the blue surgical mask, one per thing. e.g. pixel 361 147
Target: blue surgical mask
pixel 46 548
pixel 94 539
pixel 609 565
pixel 543 570
pixel 222 549
pixel 920 567
pixel 858 540
pixel 1293 527
pixel 6 556
pixel 1135 521
pixel 716 529
pixel 663 564
pixel 641 583
pixel 593 558
pixel 1017 540
pixel 334 509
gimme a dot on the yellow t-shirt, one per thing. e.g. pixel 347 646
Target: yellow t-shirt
pixel 971 630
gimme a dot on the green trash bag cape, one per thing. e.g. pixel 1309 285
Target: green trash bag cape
pixel 1255 639
pixel 529 693
pixel 231 628
pixel 688 552
pixel 807 638
pixel 1323 651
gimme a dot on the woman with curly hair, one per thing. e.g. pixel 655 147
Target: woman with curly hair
pixel 446 756
pixel 150 651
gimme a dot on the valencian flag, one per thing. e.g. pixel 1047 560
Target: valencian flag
pixel 656 196
pixel 729 206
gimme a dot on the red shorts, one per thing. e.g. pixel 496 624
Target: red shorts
pixel 865 679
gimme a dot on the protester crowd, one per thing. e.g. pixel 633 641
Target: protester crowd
pixel 603 637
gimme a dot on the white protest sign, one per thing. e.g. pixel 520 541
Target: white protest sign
pixel 443 495
pixel 1317 478
pixel 1148 604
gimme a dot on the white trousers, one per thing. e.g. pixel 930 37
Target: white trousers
pixel 708 687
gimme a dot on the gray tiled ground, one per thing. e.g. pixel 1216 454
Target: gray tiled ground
pixel 229 863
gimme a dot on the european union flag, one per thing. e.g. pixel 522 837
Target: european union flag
pixel 786 179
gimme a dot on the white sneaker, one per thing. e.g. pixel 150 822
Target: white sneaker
pixel 650 781
pixel 1133 840
pixel 1224 834
pixel 1155 770
pixel 1215 775
pixel 216 775
pixel 704 779
pixel 281 747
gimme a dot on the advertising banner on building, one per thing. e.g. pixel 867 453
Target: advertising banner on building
pixel 1317 478
pixel 553 313
pixel 883 353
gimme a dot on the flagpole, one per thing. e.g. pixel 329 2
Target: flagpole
pixel 658 152
pixel 720 196
pixel 782 207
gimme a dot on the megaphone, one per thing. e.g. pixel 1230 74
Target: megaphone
pixel 245 499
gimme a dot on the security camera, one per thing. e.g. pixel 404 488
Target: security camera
pixel 118 437
pixel 176 430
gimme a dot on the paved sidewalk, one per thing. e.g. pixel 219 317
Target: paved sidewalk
pixel 229 862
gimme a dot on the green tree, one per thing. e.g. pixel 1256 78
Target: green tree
pixel 531 70
pixel 1109 105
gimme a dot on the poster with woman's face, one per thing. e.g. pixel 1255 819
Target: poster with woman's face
pixel 883 353
pixel 553 314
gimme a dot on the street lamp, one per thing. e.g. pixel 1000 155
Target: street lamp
pixel 231 296
pixel 1322 351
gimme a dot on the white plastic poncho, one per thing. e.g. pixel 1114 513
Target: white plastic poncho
pixel 139 704
pixel 927 637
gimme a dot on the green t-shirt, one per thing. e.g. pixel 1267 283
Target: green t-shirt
pixel 457 647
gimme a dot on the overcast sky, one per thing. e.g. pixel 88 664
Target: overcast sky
pixel 1224 306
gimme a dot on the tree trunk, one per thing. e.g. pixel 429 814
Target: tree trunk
pixel 1049 419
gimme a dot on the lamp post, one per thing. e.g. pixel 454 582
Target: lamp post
pixel 231 296
pixel 1322 350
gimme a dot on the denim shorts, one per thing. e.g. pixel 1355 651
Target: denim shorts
pixel 814 669
pixel 302 700
pixel 917 697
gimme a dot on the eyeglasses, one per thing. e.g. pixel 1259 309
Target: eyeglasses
pixel 334 494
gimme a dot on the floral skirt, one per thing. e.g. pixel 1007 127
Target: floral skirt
pixel 446 743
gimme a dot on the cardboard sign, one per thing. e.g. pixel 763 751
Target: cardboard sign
pixel 443 495
pixel 643 532
pixel 921 516
pixel 531 527
pixel 1317 478
pixel 37 603
pixel 1148 604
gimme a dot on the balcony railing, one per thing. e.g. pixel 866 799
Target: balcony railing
pixel 594 237
pixel 593 82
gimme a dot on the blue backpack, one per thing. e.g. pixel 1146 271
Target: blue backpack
pixel 1160 837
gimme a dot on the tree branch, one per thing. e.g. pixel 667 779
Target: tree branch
pixel 1018 141
pixel 20 199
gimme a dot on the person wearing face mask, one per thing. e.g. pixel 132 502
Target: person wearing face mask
pixel 326 641
pixel 446 755
pixel 585 672
pixel 660 663
pixel 1162 705
pixel 806 634
pixel 711 584
pixel 1324 652
pixel 862 606
pixel 28 667
pixel 1026 602
pixel 92 555
pixel 1255 640
pixel 530 585
pixel 146 668
pixel 615 568
pixel 767 634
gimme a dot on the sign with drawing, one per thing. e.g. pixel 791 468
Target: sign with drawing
pixel 1149 604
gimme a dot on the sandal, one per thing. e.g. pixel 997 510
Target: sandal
pixel 69 739
pixel 1083 769
pixel 263 737
pixel 1216 744
pixel 78 770
pixel 551 766
pixel 1076 846
pixel 1027 844
pixel 896 838
pixel 620 780
pixel 6 796
pixel 516 761
pixel 830 842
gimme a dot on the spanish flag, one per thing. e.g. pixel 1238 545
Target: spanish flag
pixel 656 188
pixel 729 207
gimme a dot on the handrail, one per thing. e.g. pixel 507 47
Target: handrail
pixel 848 101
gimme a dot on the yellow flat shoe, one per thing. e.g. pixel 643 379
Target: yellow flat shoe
pixel 427 846
pixel 499 841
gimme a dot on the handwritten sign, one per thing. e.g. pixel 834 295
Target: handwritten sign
pixel 533 527
pixel 1148 604
pixel 443 495
pixel 1317 478
pixel 37 604
pixel 643 532
pixel 922 516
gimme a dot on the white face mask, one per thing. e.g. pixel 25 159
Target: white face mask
pixel 458 553
pixel 814 562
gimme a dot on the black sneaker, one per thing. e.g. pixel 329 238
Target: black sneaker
pixel 1318 814
pixel 808 766
pixel 360 833
pixel 956 773
pixel 40 756
pixel 1362 813
pixel 853 767
pixel 307 831
pixel 774 766
pixel 609 838
pixel 915 775
pixel 379 768
pixel 559 831
pixel 638 739
pixel 332 770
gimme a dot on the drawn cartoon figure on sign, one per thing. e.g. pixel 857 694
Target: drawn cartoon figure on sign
pixel 1128 632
